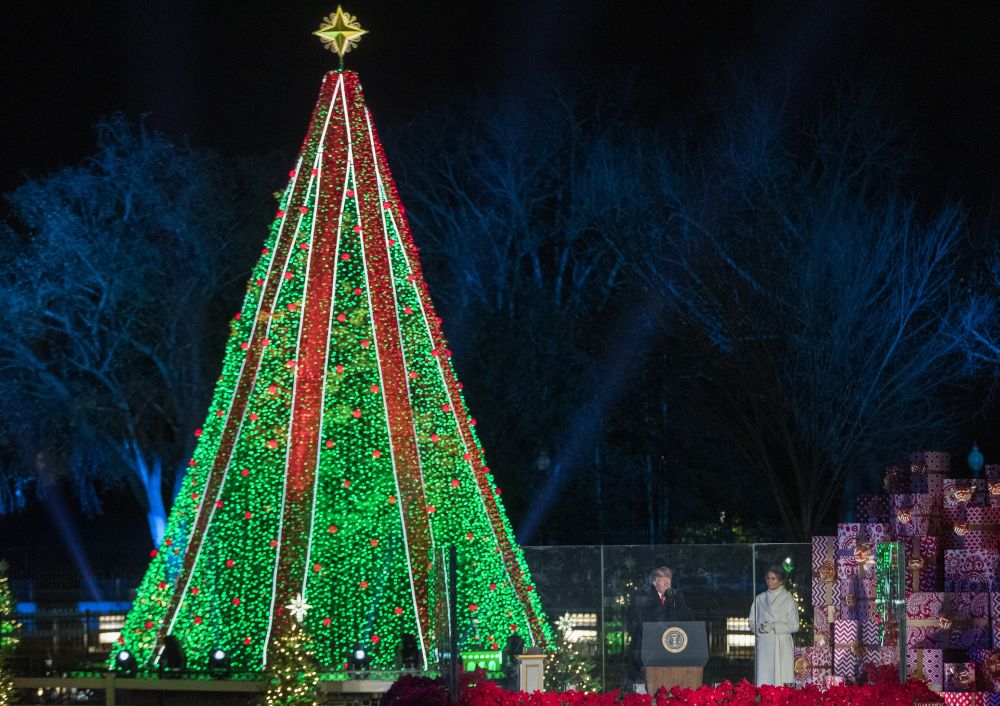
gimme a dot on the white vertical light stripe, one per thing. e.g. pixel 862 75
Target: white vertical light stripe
pixel 284 487
pixel 392 455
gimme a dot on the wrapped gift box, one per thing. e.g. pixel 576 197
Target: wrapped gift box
pixel 926 665
pixel 850 534
pixel 959 676
pixel 847 662
pixel 873 508
pixel 878 656
pixel 970 570
pixel 923 560
pixel 857 609
pixel 964 698
pixel 968 492
pixel 995 619
pixel 930 462
pixel 825 590
pixel 860 585
pixel 948 620
pixel 812 665
pixel 987 669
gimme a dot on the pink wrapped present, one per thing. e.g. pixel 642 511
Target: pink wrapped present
pixel 964 698
pixel 995 619
pixel 856 547
pixel 963 535
pixel 811 665
pixel 930 462
pixel 959 676
pixel 969 570
pixel 857 608
pixel 923 558
pixel 824 572
pixel 878 656
pixel 847 662
pixel 926 665
pixel 988 518
pixel 987 669
pixel 873 508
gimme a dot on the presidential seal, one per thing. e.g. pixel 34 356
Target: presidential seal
pixel 674 640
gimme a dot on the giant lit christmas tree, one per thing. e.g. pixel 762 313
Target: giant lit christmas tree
pixel 338 460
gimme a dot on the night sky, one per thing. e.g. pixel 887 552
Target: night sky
pixel 242 77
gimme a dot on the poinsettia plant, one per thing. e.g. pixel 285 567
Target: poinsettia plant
pixel 880 690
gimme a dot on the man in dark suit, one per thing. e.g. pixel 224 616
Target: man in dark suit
pixel 656 602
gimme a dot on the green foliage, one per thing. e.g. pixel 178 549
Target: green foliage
pixel 569 668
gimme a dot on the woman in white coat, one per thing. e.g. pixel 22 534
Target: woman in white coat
pixel 774 616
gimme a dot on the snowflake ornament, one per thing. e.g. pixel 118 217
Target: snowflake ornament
pixel 298 607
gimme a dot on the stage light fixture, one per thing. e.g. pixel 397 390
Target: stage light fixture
pixel 125 663
pixel 358 659
pixel 218 662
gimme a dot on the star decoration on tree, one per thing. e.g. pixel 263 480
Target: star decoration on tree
pixel 298 607
pixel 340 32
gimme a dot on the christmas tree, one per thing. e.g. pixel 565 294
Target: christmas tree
pixel 338 459
pixel 8 636
pixel 294 678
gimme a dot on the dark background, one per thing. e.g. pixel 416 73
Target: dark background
pixel 242 78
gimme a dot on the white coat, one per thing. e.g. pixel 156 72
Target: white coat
pixel 774 616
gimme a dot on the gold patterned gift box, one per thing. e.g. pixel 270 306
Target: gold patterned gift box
pixel 812 665
pixel 923 563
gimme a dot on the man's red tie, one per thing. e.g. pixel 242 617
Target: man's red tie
pixel 663 599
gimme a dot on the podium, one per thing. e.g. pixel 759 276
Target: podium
pixel 674 654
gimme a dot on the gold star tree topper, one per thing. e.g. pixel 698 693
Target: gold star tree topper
pixel 340 32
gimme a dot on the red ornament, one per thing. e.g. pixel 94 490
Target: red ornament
pixel 314 171
pixel 317 568
pixel 467 456
pixel 329 443
pixel 327 622
pixel 445 408
pixel 230 563
pixel 245 472
pixel 247 515
pixel 303 210
pixel 376 453
pixel 272 389
pixel 341 318
pixel 374 388
pixel 289 275
pixel 356 414
pixel 274 542
pixel 168 541
pixel 266 342
pixel 272 443
pixel 195 591
pixel 413 374
pixel 236 601
pixel 472 422
pixel 218 503
pixel 333 529
pixel 345 256
pixel 454 483
pixel 513 628
pixel 260 281
pixel 365 343
pixel 279 214
pixel 386 205
pixel 292 306
pixel 397 610
pixel 292 174
pixel 254 416
pixel 357 291
pixel 246 640
pixel 197 433
pixel 265 251
pixel 195 496
pixel 363 584
pixel 392 500
pixel 153 553
pixel 192 463
pixel 357 229
pixel 431 509
pixel 244 346
pixel 347 484
pixel 148 624
pixel 219 413
pixel 197 620
pixel 473 607
pixel 238 315
pixel 375 639
pixel 161 585
pixel 435 438
pixel 350 193
pixel 374 542
pixel 339 369
pixel 407 309
pixel 494 646
pixel 493 587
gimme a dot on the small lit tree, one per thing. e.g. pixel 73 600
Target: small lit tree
pixel 8 636
pixel 292 664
